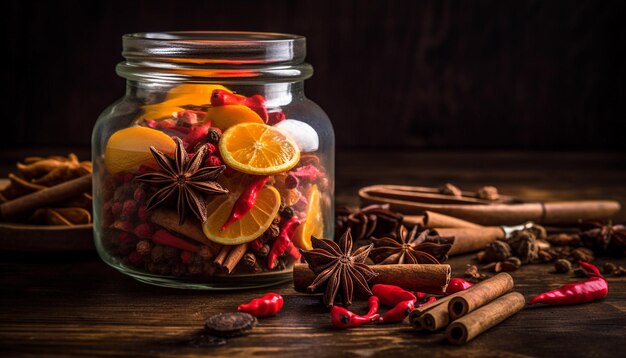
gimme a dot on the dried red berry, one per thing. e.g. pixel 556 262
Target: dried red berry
pixel 213 161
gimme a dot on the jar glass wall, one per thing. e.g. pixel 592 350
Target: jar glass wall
pixel 214 169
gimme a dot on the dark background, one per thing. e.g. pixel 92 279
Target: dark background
pixel 427 74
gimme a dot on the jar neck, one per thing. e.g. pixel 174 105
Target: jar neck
pixel 230 58
pixel 275 94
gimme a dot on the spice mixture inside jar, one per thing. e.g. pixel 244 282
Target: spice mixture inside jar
pixel 214 169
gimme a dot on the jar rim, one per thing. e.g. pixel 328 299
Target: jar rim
pixel 206 54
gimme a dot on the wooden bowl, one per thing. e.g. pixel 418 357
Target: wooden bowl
pixel 43 238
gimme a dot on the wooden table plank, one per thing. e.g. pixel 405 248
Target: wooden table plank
pixel 73 304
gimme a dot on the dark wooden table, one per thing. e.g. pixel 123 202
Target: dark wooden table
pixel 73 304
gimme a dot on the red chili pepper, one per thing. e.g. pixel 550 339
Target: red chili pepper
pixel 245 202
pixel 163 237
pixel 343 318
pixel 398 313
pixel 430 300
pixel 592 289
pixel 391 295
pixel 282 242
pixel 255 103
pixel 457 285
pixel 294 252
pixel 265 306
pixel 420 295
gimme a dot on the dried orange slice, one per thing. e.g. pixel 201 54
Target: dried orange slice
pixel 258 149
pixel 202 92
pixel 179 96
pixel 129 148
pixel 313 224
pixel 224 117
pixel 250 226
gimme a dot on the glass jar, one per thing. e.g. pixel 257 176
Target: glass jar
pixel 214 168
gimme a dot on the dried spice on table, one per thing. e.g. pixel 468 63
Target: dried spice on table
pixel 338 269
pixel 606 238
pixel 184 178
pixel 372 220
pixel 343 318
pixel 409 247
pixel 591 289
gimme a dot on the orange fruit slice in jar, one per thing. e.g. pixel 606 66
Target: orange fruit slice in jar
pixel 258 149
pixel 129 148
pixel 224 117
pixel 313 224
pixel 179 96
pixel 250 226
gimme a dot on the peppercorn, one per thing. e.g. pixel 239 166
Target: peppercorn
pixel 287 213
pixel 562 266
pixel 213 136
pixel 144 247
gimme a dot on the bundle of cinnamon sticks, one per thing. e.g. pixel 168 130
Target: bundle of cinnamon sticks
pixel 469 313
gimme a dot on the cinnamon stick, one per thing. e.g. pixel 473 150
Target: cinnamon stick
pixel 191 228
pixel 478 295
pixel 468 327
pixel 437 315
pixel 221 256
pixel 436 220
pixel 424 278
pixel 471 239
pixel 45 197
pixel 234 256
pixel 433 316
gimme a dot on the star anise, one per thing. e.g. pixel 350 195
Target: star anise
pixel 184 178
pixel 604 237
pixel 364 222
pixel 338 270
pixel 410 248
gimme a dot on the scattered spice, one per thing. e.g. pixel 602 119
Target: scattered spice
pixel 523 243
pixel 582 254
pixel 472 272
pixel 338 269
pixel 265 306
pixel 603 237
pixel 449 189
pixel 564 239
pixel 488 193
pixel 182 177
pixel 410 248
pixel 562 266
pixel 592 289
pixel 495 252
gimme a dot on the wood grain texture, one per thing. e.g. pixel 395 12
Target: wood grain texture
pixel 76 305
